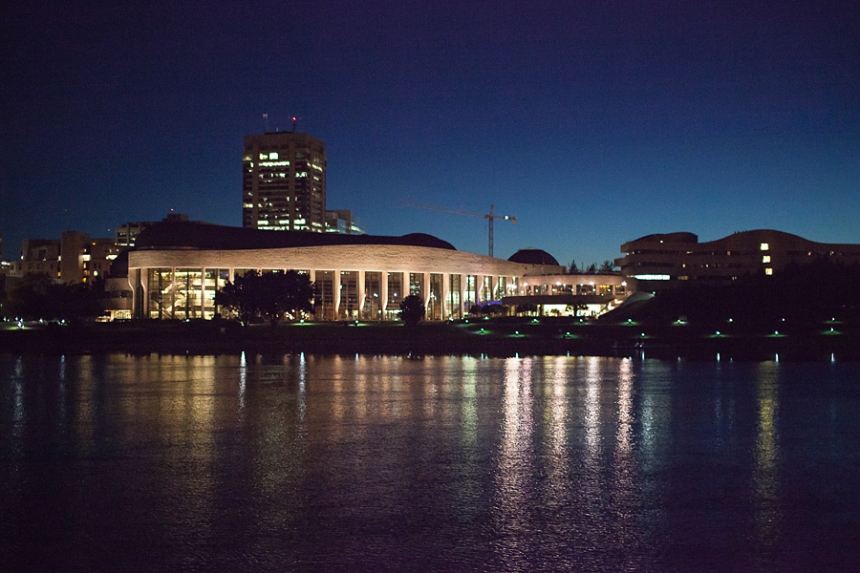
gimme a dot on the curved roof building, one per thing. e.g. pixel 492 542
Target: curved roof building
pixel 533 257
pixel 663 261
pixel 176 268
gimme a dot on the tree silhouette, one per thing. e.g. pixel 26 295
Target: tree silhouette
pixel 269 296
pixel 40 297
pixel 412 310
pixel 607 267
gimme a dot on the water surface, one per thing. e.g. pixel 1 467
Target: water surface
pixel 330 463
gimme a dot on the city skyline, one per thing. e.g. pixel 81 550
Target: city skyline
pixel 592 125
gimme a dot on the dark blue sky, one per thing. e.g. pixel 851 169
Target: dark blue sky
pixel 593 123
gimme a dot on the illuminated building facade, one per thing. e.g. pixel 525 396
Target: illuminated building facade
pixel 283 182
pixel 665 261
pixel 176 269
pixel 75 258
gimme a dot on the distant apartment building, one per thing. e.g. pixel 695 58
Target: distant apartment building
pixel 126 234
pixel 664 261
pixel 283 182
pixel 341 221
pixel 75 257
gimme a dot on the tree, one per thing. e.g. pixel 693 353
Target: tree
pixel 39 297
pixel 573 270
pixel 592 269
pixel 607 267
pixel 269 296
pixel 412 310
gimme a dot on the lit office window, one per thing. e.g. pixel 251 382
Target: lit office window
pixel 768 271
pixel 765 247
pixel 765 259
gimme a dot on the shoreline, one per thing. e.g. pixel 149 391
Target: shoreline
pixel 499 337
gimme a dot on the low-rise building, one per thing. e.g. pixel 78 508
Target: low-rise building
pixel 75 257
pixel 664 261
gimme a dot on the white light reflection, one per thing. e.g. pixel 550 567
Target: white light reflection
pixel 516 458
pixel 243 380
pixel 766 474
pixel 62 391
pixel 625 468
pixel 302 372
pixel 557 460
pixel 624 435
pixel 468 402
pixel 592 409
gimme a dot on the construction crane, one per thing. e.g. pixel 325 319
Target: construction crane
pixel 491 216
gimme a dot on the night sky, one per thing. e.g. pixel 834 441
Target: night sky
pixel 593 123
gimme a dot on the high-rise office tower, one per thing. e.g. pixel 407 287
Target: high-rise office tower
pixel 283 182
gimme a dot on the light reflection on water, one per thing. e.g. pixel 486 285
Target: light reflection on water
pixel 306 463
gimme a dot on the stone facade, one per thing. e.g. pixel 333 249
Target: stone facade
pixel 353 281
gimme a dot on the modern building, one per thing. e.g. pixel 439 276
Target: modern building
pixel 176 269
pixel 126 234
pixel 340 221
pixel 283 182
pixel 74 258
pixel 664 261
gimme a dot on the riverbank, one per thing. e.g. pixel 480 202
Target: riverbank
pixel 497 337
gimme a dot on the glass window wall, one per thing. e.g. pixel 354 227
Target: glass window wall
pixel 395 295
pixel 434 303
pixel 188 297
pixel 416 284
pixel 372 309
pixel 160 284
pixel 471 294
pixel 349 301
pixel 324 295
pixel 453 303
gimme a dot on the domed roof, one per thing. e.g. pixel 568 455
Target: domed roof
pixel 194 235
pixel 533 257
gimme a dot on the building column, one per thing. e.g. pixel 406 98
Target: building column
pixel 140 294
pixel 361 295
pixel 446 288
pixel 425 288
pixel 336 293
pixel 463 280
pixel 383 294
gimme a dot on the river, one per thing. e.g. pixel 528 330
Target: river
pixel 384 463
